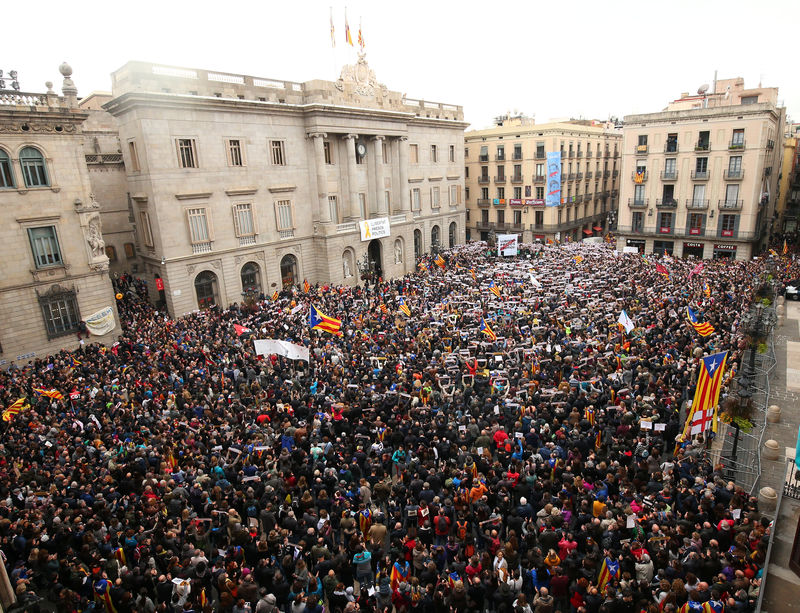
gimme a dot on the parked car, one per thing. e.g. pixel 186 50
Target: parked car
pixel 792 288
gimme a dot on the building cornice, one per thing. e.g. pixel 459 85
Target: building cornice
pixel 688 115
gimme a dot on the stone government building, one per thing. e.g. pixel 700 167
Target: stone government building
pixel 238 183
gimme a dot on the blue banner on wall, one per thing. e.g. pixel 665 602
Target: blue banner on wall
pixel 553 195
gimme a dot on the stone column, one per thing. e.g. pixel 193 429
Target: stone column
pixel 350 146
pixel 405 204
pixel 380 199
pixel 323 210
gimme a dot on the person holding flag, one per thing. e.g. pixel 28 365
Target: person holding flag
pixel 317 320
pixel 487 330
pixel 703 329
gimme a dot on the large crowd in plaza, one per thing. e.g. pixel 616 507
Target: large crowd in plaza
pixel 414 463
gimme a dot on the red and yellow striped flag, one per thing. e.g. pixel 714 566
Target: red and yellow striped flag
pixel 17 407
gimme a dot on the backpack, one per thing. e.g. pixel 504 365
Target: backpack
pixel 461 529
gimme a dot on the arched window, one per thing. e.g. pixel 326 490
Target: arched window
pixel 130 251
pixel 111 253
pixel 288 270
pixel 6 174
pixel 452 234
pixel 435 236
pixel 34 170
pixel 251 278
pixel 205 286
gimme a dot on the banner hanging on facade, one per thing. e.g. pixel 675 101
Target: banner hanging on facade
pixel 374 228
pixel 102 322
pixel 286 349
pixel 553 195
pixel 507 244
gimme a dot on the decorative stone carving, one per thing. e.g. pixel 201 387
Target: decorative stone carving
pixel 190 268
pixel 38 127
pixel 217 264
pixel 360 78
pixel 398 252
pixel 238 259
pixel 259 255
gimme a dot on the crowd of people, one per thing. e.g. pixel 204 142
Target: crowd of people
pixel 414 463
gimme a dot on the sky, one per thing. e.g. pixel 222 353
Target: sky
pixel 546 60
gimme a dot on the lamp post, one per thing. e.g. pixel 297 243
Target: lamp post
pixel 365 267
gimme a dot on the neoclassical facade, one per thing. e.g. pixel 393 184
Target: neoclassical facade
pixel 242 184
pixel 53 265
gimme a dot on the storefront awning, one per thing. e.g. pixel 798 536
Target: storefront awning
pixel 597 229
pixel 587 232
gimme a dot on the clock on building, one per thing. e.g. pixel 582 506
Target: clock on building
pixel 361 150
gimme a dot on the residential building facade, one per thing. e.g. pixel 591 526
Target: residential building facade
pixel 505 175
pixel 54 277
pixel 242 184
pixel 701 177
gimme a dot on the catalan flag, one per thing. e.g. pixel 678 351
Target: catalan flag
pixel 439 261
pixel 472 272
pixel 102 594
pixel 662 270
pixel 638 178
pixel 398 574
pixel 404 307
pixel 384 309
pixel 452 578
pixel 360 36
pixel 703 329
pixel 785 247
pixel 422 266
pixel 73 362
pixel 609 570
pixel 347 38
pixel 484 327
pixel 54 394
pixel 577 259
pixel 203 597
pixel 319 321
pixel 589 413
pixel 706 290
pixel 274 295
pixel 598 439
pixel 172 461
pixel 17 407
pixel 494 289
pixel 773 252
pixel 119 554
pixel 306 286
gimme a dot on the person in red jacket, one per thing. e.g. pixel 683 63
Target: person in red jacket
pixel 500 437
pixel 441 527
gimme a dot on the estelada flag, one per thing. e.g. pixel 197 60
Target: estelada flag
pixel 487 330
pixel 494 289
pixel 317 320
pixel 404 307
pixel 439 261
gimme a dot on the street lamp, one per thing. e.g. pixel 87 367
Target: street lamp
pixel 365 267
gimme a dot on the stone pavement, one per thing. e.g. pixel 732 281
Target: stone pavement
pixel 781 591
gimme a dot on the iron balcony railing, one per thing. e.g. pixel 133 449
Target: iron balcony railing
pixel 638 203
pixel 666 203
pixel 700 175
pixel 734 174
pixel 697 203
pixel 669 175
pixel 731 205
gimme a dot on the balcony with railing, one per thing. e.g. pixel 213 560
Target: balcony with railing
pixel 614 193
pixel 484 203
pixel 666 203
pixel 606 174
pixel 590 174
pixel 539 178
pixel 517 157
pixel 588 197
pixel 734 174
pixel 615 174
pixel 483 180
pixel 693 231
pixel 639 177
pixel 671 147
pixel 201 247
pixel 770 144
pixel 483 225
pixel 541 155
pixel 638 203
pixel 500 179
pixel 569 176
pixel 516 178
pixel 580 153
pixel 736 145
pixel 501 157
pixel 697 204
pixel 570 154
pixel 579 176
pixel 730 205
pixel 589 153
pixel 616 153
pixel 483 158
pixel 700 175
pixel 702 146
pixel 669 175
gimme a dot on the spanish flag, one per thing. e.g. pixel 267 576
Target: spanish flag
pixel 319 321
pixel 404 307
pixel 494 289
pixel 347 38
pixel 487 330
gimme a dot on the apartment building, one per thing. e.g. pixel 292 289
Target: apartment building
pixel 54 279
pixel 505 175
pixel 701 177
pixel 243 184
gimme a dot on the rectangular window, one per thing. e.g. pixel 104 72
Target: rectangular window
pixel 111 253
pixel 198 226
pixel 413 154
pixel 326 150
pixel 60 312
pixel 484 156
pixel 484 216
pixel 435 203
pixel 517 193
pixel 454 194
pixel 540 193
pixel 666 223
pixel 130 251
pixel 434 154
pixel 517 151
pixel 284 217
pixel 699 194
pixel 538 218
pixel 501 216
pixel 44 244
pixel 540 153
pixel 670 167
pixel 517 218
pixel 362 205
pixel 737 141
pixel 278 153
pixel 749 100
pixel 415 199
pixel 243 222
pixel 731 194
pixel 501 193
pixel 735 165
pixel 696 223
pixel 637 221
pixel 187 153
pixel 703 140
pixel 333 208
pixel 466 153
pixel 501 172
pixel 672 143
pixel 701 166
pixel 134 156
pixel 540 170
pixel 501 152
pixel 728 224
pixel 452 153
pixel 147 231
pixel 517 172
pixel 485 193
pixel 638 194
pixel 235 157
